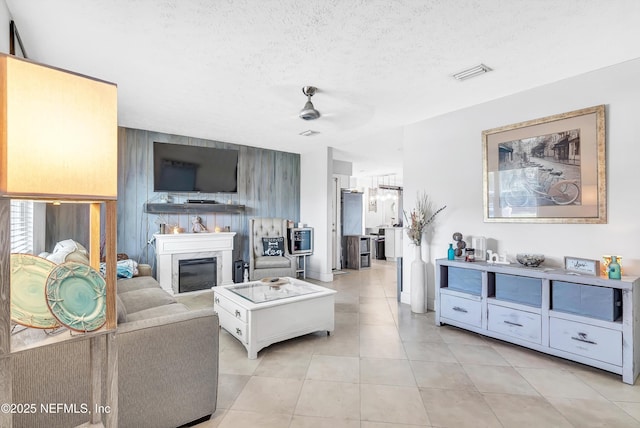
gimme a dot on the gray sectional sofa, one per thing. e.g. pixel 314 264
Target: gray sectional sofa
pixel 167 365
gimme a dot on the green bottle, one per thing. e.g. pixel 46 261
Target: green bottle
pixel 451 254
pixel 614 268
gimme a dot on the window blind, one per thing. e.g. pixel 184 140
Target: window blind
pixel 21 226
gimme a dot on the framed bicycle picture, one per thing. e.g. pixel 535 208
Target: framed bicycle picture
pixel 548 170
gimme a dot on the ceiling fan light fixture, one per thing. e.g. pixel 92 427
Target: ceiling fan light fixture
pixel 309 112
pixel 472 72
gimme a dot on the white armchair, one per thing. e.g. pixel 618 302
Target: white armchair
pixel 264 266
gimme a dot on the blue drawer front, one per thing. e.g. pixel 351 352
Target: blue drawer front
pixel 586 300
pixel 465 280
pixel 519 289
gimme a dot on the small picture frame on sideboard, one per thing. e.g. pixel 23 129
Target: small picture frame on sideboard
pixel 582 266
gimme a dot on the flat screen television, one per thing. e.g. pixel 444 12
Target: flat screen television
pixel 180 168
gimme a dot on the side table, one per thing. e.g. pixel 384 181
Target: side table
pixel 301 265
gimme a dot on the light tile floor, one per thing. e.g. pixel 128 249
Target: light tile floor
pixel 384 366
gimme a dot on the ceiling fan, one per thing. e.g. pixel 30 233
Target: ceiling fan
pixel 308 112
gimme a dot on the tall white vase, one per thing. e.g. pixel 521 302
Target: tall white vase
pixel 418 282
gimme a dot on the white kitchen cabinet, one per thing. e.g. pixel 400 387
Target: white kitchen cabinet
pixel 392 243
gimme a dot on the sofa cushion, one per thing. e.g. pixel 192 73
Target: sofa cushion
pixel 145 298
pixel 137 283
pixel 121 310
pixel 144 269
pixel 158 311
pixel 272 262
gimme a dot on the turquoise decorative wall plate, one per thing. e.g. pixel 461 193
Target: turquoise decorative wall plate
pixel 28 302
pixel 76 296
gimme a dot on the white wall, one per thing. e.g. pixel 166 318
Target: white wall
pixel 387 210
pixel 316 181
pixel 5 18
pixel 443 156
pixel 342 167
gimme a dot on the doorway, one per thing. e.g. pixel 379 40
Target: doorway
pixel 335 225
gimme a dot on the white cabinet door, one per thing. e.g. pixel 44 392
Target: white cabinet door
pixel 392 242
pixel 232 324
pixel 460 309
pixel 587 340
pixel 516 323
pixel 230 306
pixel 389 243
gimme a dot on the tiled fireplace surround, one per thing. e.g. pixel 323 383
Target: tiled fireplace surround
pixel 171 248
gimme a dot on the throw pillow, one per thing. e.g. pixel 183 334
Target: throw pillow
pixel 273 246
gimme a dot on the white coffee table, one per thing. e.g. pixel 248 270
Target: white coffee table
pixel 261 313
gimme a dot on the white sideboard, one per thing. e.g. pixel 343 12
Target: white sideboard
pixel 171 248
pixel 589 319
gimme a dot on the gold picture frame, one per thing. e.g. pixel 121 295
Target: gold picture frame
pixel 548 170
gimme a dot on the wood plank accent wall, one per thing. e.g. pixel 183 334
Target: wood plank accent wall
pixel 66 221
pixel 268 185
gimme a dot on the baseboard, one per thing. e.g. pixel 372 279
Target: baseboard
pixel 324 277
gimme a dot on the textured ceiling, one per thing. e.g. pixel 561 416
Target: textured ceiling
pixel 233 70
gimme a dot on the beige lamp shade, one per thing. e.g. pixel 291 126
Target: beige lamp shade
pixel 59 133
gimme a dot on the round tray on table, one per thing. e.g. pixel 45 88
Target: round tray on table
pixel 274 282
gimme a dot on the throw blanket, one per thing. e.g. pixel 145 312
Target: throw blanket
pixel 124 268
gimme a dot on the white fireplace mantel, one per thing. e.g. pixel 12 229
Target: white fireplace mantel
pixel 172 247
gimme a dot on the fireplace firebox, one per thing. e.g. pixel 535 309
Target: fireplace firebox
pixel 172 247
pixel 197 274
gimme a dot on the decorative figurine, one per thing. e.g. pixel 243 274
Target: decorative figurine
pixel 460 244
pixel 496 258
pixel 246 272
pixel 197 225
